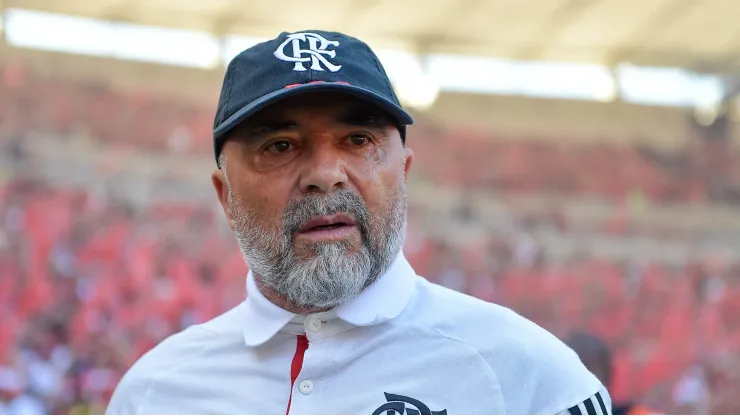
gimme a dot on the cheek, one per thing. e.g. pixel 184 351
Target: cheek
pixel 266 203
pixel 379 158
pixel 382 192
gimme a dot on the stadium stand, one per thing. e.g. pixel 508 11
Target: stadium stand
pixel 90 279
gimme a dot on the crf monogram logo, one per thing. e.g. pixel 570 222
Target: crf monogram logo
pixel 315 52
pixel 402 405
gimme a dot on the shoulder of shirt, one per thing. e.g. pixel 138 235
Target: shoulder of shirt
pixel 132 392
pixel 536 372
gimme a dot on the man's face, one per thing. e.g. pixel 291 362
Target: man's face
pixel 314 188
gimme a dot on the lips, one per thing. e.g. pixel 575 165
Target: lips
pixel 329 222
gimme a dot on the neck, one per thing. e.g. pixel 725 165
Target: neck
pixel 280 300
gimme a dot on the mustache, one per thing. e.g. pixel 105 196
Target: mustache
pixel 316 205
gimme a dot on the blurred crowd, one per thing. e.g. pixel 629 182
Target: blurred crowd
pixel 702 171
pixel 89 280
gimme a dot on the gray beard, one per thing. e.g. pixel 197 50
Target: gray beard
pixel 331 276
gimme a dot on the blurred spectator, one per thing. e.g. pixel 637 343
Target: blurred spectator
pixel 15 395
pixel 691 393
pixel 597 357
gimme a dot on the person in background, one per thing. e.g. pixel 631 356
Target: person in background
pixel 14 396
pixel 597 357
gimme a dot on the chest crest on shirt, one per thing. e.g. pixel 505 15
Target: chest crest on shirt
pixel 404 405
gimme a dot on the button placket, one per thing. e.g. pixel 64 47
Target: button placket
pixel 308 393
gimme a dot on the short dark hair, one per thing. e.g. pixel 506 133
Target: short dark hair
pixel 594 353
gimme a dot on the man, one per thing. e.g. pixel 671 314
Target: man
pixel 310 142
pixel 597 357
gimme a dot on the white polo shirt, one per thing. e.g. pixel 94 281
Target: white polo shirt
pixel 403 346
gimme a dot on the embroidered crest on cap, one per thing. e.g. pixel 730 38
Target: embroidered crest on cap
pixel 309 47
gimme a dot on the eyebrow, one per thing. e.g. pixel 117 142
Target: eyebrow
pixel 266 127
pixel 364 117
pixel 361 116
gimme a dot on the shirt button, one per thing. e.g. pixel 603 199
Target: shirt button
pixel 313 324
pixel 306 387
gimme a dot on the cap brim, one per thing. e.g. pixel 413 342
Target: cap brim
pixel 399 114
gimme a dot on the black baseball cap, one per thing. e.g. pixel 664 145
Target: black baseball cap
pixel 300 62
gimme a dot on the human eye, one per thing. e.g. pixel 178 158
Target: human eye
pixel 278 147
pixel 275 153
pixel 359 139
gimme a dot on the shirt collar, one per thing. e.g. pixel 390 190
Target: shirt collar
pixel 380 302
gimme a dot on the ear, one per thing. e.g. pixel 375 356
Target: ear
pixel 218 177
pixel 408 161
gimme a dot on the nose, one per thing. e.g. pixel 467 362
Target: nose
pixel 324 170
